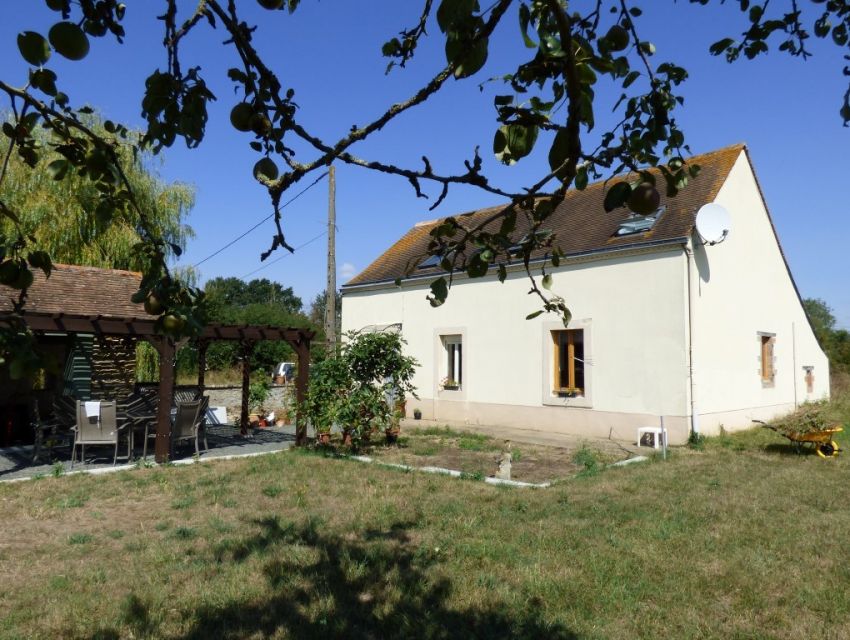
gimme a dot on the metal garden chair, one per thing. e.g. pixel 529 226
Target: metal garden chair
pixel 96 431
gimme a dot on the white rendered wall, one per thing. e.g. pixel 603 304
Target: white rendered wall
pixel 741 287
pixel 631 307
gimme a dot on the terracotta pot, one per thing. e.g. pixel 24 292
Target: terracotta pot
pixel 392 434
pixel 279 379
pixel 324 438
pixel 346 438
pixel 279 423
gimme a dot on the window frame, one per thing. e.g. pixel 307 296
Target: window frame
pixel 550 394
pixel 767 359
pixel 444 336
pixel 557 373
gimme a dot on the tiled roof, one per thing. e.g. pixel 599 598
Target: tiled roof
pixel 580 221
pixel 80 291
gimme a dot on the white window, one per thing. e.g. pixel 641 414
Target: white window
pixel 452 367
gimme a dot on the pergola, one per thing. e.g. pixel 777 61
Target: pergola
pixel 142 328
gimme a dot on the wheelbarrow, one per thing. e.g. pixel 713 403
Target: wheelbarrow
pixel 821 439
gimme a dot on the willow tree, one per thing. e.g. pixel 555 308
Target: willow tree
pixel 64 215
pixel 545 104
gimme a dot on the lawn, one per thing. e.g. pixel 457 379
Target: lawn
pixel 743 539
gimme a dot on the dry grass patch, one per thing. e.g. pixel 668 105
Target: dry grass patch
pixel 477 455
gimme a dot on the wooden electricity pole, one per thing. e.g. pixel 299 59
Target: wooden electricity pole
pixel 330 294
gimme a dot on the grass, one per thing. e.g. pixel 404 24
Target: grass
pixel 743 539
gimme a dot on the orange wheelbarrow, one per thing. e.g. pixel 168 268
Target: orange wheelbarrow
pixel 821 440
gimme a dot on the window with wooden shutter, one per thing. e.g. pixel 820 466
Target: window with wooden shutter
pixel 568 362
pixel 768 371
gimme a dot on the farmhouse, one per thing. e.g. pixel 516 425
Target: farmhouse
pixel 663 323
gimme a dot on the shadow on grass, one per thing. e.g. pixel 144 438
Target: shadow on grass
pixel 378 585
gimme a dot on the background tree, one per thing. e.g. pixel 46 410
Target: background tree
pixel 259 302
pixel 547 105
pixel 317 312
pixel 236 293
pixel 835 342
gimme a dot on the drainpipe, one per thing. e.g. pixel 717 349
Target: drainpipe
pixel 794 362
pixel 694 416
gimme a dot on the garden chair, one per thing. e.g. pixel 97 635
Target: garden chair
pixel 139 410
pixel 190 422
pixel 56 426
pixel 187 394
pixel 99 430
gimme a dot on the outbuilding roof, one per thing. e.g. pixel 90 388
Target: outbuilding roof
pixel 580 222
pixel 75 290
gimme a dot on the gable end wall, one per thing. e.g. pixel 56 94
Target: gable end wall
pixel 742 288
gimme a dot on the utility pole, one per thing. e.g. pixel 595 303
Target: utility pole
pixel 330 294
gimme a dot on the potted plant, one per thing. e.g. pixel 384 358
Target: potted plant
pixel 258 392
pixel 417 413
pixel 393 428
pixel 449 384
pixel 323 435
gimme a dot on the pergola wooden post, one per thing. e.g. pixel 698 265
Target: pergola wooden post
pixel 166 349
pixel 245 349
pixel 302 349
pixel 202 364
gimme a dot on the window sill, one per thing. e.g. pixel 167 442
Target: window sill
pixel 556 400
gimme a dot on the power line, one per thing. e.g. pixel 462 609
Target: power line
pixel 285 255
pixel 266 219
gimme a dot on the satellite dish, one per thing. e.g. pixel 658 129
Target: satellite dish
pixel 713 223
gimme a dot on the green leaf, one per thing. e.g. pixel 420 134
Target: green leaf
pixel 560 149
pixel 617 195
pixel 58 168
pixel 467 57
pixel 533 315
pixel 547 282
pixel 477 266
pixel 34 47
pixel 513 142
pixel 451 12
pixel 633 75
pixel 581 178
pixel 40 260
pixel 720 46
pixel 439 291
pixel 524 21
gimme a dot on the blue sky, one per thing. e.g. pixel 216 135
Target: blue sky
pixel 785 109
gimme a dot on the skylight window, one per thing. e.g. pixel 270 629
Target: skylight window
pixel 636 223
pixel 430 261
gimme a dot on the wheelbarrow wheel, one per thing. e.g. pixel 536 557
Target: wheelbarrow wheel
pixel 828 449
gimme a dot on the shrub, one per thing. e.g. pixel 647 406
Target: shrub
pixel 359 387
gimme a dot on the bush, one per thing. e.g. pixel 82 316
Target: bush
pixel 359 387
